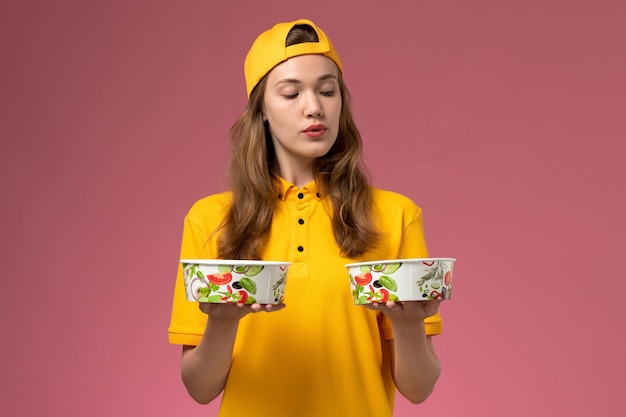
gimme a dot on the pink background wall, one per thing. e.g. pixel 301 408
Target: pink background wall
pixel 504 120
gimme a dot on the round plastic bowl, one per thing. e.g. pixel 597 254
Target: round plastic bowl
pixel 401 280
pixel 230 281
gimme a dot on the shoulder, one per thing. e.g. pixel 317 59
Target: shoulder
pixel 209 209
pixel 212 201
pixel 390 202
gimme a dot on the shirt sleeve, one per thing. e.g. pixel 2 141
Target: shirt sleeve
pixel 413 242
pixel 432 326
pixel 413 245
pixel 187 322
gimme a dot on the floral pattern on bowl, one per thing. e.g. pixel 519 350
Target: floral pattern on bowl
pixel 236 283
pixel 401 280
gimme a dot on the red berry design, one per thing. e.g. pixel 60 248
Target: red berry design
pixel 363 279
pixel 220 278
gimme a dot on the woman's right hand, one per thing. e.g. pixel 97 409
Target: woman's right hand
pixel 205 368
pixel 234 312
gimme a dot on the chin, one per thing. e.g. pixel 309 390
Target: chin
pixel 318 151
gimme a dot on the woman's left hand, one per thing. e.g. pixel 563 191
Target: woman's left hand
pixel 414 364
pixel 411 311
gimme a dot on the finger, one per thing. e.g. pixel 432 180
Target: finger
pixel 204 307
pixel 256 307
pixel 274 307
pixel 433 307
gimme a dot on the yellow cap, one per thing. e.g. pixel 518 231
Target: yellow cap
pixel 269 50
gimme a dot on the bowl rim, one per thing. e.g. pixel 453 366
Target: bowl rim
pixel 407 260
pixel 217 262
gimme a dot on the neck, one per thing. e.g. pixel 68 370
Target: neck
pixel 298 175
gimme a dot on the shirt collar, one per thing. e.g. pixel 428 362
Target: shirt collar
pixel 287 188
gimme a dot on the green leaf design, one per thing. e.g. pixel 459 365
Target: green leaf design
pixel 250 300
pixel 248 284
pixel 199 274
pixel 225 268
pixel 431 274
pixel 378 267
pixel 391 268
pixel 393 297
pixel 362 299
pixel 214 287
pixel 204 291
pixel 254 270
pixel 365 268
pixel 388 283
pixel 215 298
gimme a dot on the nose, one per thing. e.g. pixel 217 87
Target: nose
pixel 313 106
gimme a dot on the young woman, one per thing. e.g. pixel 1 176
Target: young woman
pixel 298 193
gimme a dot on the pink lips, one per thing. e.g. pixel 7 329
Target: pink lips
pixel 315 130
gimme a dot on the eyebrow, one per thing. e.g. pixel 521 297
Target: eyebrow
pixel 297 81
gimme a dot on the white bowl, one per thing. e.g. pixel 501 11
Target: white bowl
pixel 232 281
pixel 401 280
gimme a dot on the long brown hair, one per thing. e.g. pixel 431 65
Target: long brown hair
pixel 252 176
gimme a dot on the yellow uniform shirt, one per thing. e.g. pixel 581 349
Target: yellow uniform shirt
pixel 321 355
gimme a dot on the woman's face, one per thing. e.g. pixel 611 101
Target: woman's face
pixel 301 105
